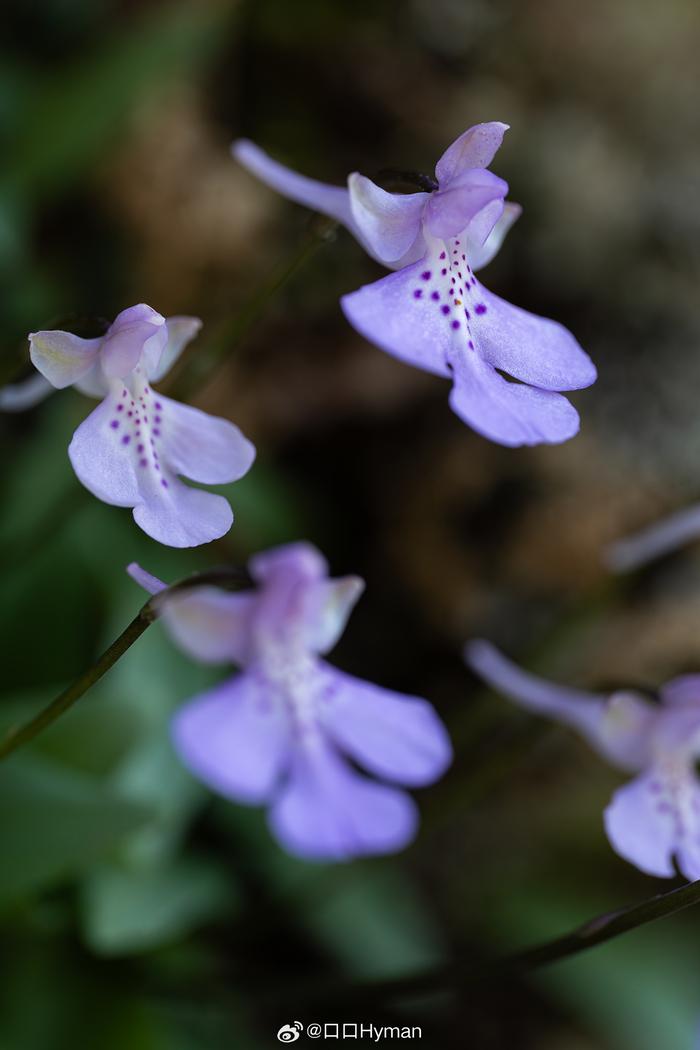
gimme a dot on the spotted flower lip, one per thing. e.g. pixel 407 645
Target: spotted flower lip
pixel 432 312
pixel 280 732
pixel 655 818
pixel 131 449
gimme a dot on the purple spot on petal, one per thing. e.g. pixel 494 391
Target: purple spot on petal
pixel 418 294
pixel 471 345
pixel 124 393
pixel 435 296
pixel 158 405
pixel 455 324
pixel 114 424
pixel 156 432
pixel 456 242
pixel 129 414
pixel 164 483
pixel 139 448
pixel 126 439
pixel 120 408
pixel 445 309
pixel 480 308
pixel 443 272
pixel 426 275
pixel 157 419
pixel 143 462
pixel 442 255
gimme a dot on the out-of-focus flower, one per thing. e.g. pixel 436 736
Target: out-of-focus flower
pixel 276 733
pixel 655 817
pixel 433 313
pixel 131 449
pixel 658 539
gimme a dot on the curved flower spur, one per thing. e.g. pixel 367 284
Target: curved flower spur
pixel 131 449
pixel 433 312
pixel 655 817
pixel 277 732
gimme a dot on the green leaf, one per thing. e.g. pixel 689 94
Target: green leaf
pixel 55 823
pixel 127 911
pixel 79 109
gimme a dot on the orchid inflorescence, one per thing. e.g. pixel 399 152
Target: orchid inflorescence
pixel 288 729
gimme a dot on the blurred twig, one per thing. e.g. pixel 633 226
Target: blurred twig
pixel 19 735
pixel 198 369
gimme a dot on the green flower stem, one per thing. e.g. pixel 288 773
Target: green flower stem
pixel 17 736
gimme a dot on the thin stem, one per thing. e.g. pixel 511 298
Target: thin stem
pixel 20 735
pixel 231 578
pixel 198 370
pixel 455 974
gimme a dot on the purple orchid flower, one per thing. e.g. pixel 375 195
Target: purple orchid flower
pixel 433 313
pixel 131 449
pixel 655 817
pixel 276 733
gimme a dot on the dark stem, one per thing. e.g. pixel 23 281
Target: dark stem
pixel 230 578
pixel 466 971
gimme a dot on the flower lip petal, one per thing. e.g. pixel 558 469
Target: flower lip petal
pixel 533 349
pixel 399 738
pixel 391 313
pixel 327 811
pixel 234 739
pixel 511 414
pixel 183 516
pixel 204 448
pixel 639 829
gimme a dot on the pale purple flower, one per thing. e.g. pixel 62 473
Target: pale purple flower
pixel 131 449
pixel 660 538
pixel 433 312
pixel 281 731
pixel 656 816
